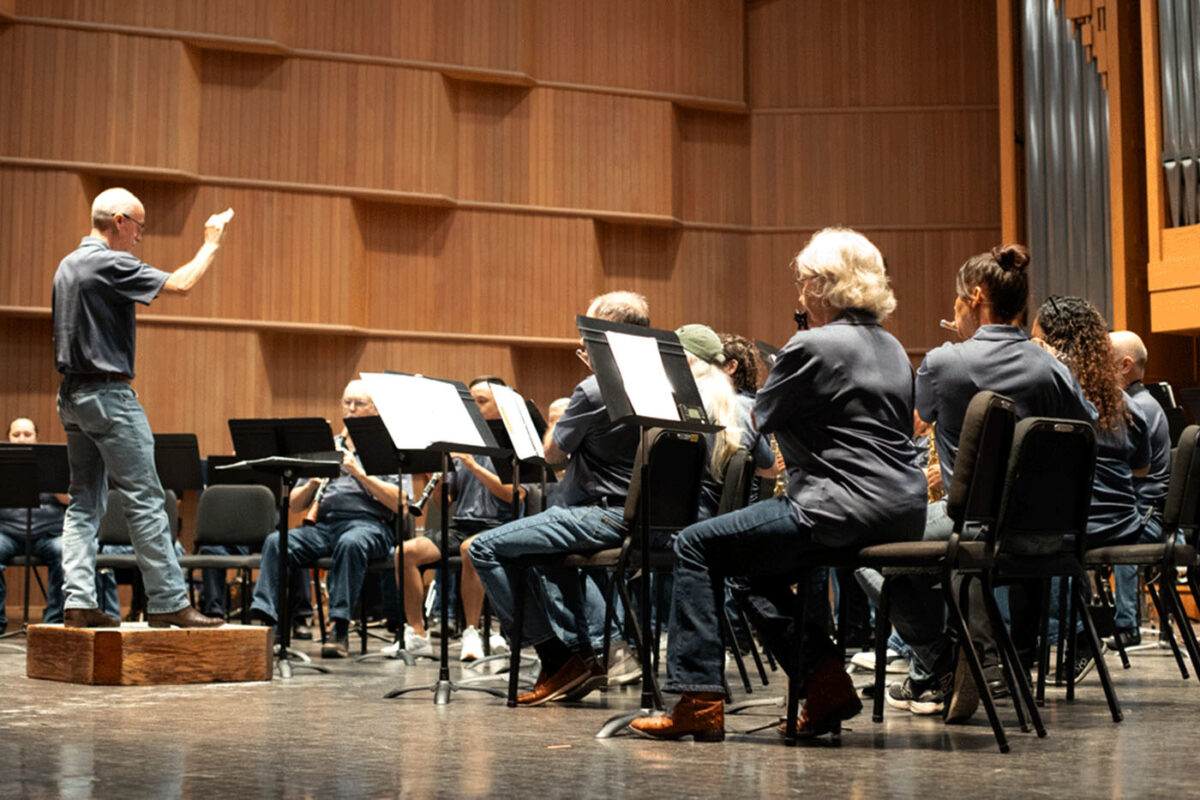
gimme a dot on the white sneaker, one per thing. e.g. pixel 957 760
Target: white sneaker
pixel 623 666
pixel 865 660
pixel 497 644
pixel 392 650
pixel 472 645
pixel 416 645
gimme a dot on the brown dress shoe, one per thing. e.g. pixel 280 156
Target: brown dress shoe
pixel 186 617
pixel 831 700
pixel 700 715
pixel 88 618
pixel 569 676
pixel 596 678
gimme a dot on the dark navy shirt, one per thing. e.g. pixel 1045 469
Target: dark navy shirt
pixel 1151 489
pixel 759 446
pixel 602 454
pixel 839 400
pixel 476 504
pixel 47 519
pixel 345 496
pixel 1114 516
pixel 95 289
pixel 1002 359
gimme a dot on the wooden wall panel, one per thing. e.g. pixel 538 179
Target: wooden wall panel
pixel 46 214
pixel 713 166
pixel 241 18
pixel 30 382
pixel 494 147
pixel 680 48
pixel 906 168
pixel 98 97
pixel 813 53
pixel 475 33
pixel 596 151
pixel 477 272
pixel 325 122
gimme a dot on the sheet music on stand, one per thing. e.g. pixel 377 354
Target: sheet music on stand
pixel 522 431
pixel 419 411
pixel 767 352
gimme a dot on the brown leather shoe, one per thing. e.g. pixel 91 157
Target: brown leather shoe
pixel 186 617
pixel 88 618
pixel 596 678
pixel 569 676
pixel 832 699
pixel 700 715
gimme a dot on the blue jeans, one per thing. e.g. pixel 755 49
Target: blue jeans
pixel 49 550
pixel 766 542
pixel 109 441
pixel 560 605
pixel 1125 578
pixel 352 541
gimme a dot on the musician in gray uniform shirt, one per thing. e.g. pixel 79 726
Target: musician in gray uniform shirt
pixel 1151 489
pixel 353 525
pixel 108 437
pixel 839 400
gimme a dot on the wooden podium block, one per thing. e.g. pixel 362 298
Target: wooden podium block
pixel 136 654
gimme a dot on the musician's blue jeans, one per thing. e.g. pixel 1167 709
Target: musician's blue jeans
pixel 559 605
pixel 49 550
pixel 109 442
pixel 352 541
pixel 1126 581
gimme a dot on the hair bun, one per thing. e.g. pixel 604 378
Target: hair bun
pixel 1011 257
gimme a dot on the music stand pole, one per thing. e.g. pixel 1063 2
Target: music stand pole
pixel 283 661
pixel 28 574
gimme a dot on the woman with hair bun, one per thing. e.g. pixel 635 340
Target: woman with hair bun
pixel 992 291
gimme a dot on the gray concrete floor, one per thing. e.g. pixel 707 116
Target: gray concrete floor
pixel 334 736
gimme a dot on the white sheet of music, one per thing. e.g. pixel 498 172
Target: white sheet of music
pixel 645 377
pixel 517 422
pixel 418 411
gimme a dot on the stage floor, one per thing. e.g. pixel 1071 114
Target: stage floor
pixel 335 736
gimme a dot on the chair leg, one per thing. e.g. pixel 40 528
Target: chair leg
pixel 731 641
pixel 882 626
pixel 1089 625
pixel 758 662
pixel 1164 627
pixel 639 640
pixel 1059 658
pixel 1072 623
pixel 959 621
pixel 791 727
pixel 245 597
pixel 514 660
pixel 1166 581
pixel 658 604
pixel 1106 597
pixel 316 579
pixel 1014 674
pixel 1044 644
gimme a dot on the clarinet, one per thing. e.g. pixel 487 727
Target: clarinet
pixel 418 508
pixel 310 516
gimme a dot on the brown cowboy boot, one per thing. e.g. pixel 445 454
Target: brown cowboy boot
pixel 700 715
pixel 831 700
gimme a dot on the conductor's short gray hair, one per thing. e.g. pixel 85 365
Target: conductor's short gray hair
pixel 111 202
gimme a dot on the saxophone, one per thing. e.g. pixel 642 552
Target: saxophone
pixel 935 492
pixel 781 480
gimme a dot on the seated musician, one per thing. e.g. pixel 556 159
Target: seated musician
pixel 483 503
pixel 992 291
pixel 1074 329
pixel 839 400
pixel 743 365
pixel 46 532
pixel 1129 354
pixel 587 516
pixel 353 525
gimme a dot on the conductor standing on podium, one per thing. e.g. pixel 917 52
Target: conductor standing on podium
pixel 108 437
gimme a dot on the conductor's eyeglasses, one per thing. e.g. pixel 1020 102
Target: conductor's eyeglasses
pixel 141 225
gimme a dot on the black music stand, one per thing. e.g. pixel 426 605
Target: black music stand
pixel 621 409
pixel 19 484
pixel 379 456
pixel 437 426
pixel 292 449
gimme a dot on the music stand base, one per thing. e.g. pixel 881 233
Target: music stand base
pixel 442 689
pixel 287 659
pixel 734 708
pixel 614 725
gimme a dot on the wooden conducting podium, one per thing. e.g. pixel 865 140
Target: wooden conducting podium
pixel 136 654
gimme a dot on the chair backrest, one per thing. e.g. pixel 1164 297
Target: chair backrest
pixel 232 515
pixel 983 447
pixel 1047 486
pixel 1183 491
pixel 739 479
pixel 676 464
pixel 115 530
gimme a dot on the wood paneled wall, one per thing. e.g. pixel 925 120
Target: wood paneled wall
pixel 439 186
